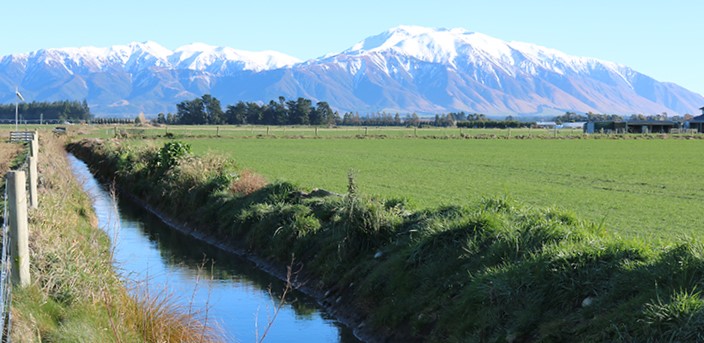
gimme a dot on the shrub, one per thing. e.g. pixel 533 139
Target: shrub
pixel 168 156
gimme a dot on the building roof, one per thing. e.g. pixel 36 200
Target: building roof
pixel 697 119
pixel 651 122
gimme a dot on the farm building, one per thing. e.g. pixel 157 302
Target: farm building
pixel 632 126
pixel 575 125
pixel 546 124
pixel 650 126
pixel 697 123
pixel 605 127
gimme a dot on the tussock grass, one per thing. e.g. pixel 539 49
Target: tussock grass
pixel 75 294
pixel 493 270
pixel 162 318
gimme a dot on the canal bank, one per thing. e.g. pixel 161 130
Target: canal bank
pixel 75 294
pixel 495 270
pixel 212 278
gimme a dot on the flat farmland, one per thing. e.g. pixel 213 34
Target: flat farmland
pixel 247 131
pixel 647 187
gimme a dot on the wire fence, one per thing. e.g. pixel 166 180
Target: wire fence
pixel 5 283
pixel 6 263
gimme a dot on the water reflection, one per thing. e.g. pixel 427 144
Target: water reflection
pixel 226 288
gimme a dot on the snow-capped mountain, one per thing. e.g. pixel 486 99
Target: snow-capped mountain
pixel 219 61
pixel 405 69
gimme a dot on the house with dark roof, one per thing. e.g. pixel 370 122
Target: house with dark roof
pixel 697 123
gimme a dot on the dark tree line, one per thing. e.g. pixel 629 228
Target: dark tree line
pixel 493 124
pixel 207 110
pixel 377 119
pixel 571 117
pixel 48 111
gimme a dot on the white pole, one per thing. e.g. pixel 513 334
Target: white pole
pixel 19 250
pixel 33 199
pixel 17 107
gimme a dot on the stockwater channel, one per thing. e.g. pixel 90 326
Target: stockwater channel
pixel 226 288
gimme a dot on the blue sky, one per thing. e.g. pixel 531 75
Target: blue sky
pixel 662 39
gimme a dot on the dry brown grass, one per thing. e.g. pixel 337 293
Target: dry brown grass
pixel 247 183
pixel 161 318
pixel 8 151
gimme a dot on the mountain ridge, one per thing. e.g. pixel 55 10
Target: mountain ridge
pixel 404 69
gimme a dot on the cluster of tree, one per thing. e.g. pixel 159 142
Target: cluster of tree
pixel 660 117
pixel 461 116
pixel 378 119
pixel 571 117
pixel 493 124
pixel 48 111
pixel 387 119
pixel 207 110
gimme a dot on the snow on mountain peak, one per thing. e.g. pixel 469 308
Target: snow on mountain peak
pixel 431 45
pixel 200 56
pixel 458 46
pixel 152 48
pixel 137 56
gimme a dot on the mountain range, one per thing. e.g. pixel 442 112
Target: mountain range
pixel 405 69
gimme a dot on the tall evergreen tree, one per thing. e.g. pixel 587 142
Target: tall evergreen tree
pixel 213 110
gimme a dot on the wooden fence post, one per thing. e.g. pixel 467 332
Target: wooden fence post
pixel 19 235
pixel 34 147
pixel 33 177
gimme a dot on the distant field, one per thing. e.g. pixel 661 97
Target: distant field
pixel 650 187
pixel 230 131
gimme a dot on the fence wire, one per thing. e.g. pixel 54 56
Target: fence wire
pixel 6 264
pixel 5 284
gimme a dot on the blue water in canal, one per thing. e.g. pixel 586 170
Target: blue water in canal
pixel 240 298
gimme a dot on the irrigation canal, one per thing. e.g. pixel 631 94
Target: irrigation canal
pixel 215 284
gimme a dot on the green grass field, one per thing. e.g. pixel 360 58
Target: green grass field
pixel 648 187
pixel 486 270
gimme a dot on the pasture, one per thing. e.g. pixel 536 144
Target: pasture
pixel 648 188
pixel 637 187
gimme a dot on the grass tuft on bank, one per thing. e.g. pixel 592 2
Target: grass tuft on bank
pixel 495 270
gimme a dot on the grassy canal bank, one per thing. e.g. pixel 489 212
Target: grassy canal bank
pixel 493 270
pixel 75 294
